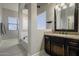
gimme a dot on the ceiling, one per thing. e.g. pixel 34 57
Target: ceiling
pixel 41 4
pixel 11 6
pixel 14 6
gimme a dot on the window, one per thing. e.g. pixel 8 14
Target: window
pixel 12 23
pixel 25 22
pixel 41 21
pixel 25 19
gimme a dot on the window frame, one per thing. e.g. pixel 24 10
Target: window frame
pixel 13 23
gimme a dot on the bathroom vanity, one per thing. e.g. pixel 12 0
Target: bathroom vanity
pixel 65 20
pixel 61 44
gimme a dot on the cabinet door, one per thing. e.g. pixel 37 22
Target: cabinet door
pixel 73 47
pixel 57 46
pixel 52 47
pixel 47 44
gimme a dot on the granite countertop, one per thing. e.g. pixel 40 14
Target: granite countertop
pixel 62 35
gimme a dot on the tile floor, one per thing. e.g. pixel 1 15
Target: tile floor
pixel 11 47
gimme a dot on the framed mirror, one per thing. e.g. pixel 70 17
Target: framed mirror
pixel 66 17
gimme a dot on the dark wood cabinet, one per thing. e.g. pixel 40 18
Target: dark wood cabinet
pixel 54 45
pixel 59 46
pixel 73 47
pixel 47 44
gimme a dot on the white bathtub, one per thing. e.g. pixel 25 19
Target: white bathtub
pixel 24 43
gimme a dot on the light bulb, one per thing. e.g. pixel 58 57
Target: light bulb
pixel 71 4
pixel 62 4
pixel 64 7
pixel 58 8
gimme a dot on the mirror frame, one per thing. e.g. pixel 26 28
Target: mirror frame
pixel 75 21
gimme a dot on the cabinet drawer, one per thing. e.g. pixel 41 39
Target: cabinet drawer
pixel 73 42
pixel 57 50
pixel 47 37
pixel 58 40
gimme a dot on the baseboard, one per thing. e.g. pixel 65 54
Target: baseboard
pixel 41 53
pixel 37 54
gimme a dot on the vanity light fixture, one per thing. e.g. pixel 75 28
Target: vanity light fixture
pixel 71 4
pixel 58 8
pixel 64 7
pixel 61 6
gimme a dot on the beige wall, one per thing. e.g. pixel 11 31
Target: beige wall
pixel 49 8
pixel 0 13
pixel 35 36
pixel 5 14
pixel 78 18
pixel 0 21
pixel 50 16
